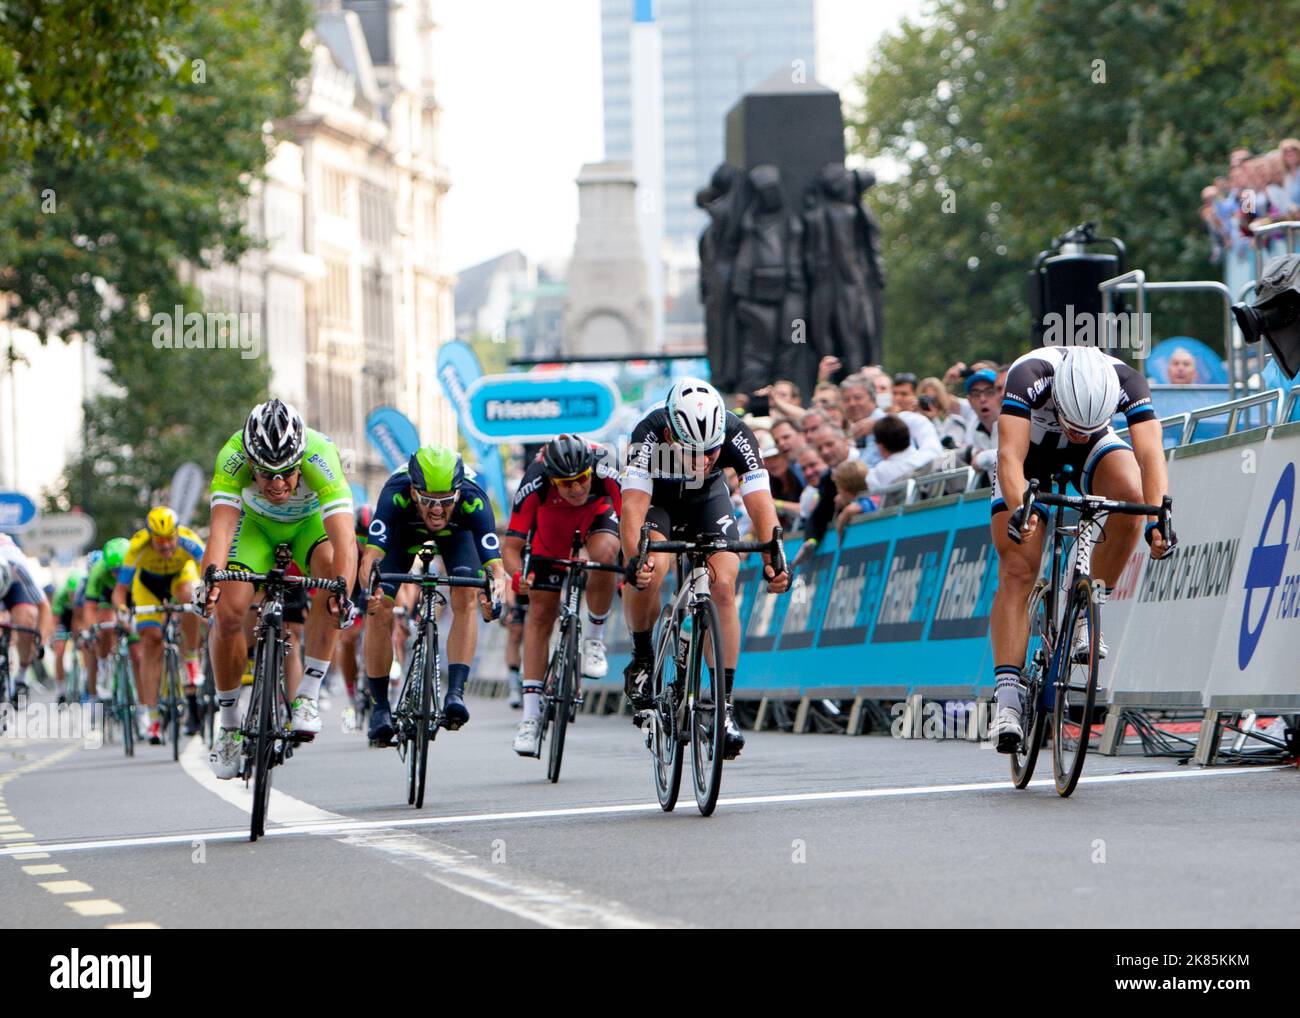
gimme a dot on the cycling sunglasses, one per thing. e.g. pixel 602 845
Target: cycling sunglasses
pixel 435 502
pixel 272 475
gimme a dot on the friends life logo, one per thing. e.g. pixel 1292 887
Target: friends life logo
pixel 208 330
pixel 121 972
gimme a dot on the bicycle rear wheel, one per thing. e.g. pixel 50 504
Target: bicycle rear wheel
pixel 561 703
pixel 662 736
pixel 262 732
pixel 1033 715
pixel 1075 688
pixel 706 709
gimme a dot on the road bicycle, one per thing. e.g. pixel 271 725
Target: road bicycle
pixel 689 706
pixel 267 738
pixel 1060 682
pixel 561 688
pixel 418 713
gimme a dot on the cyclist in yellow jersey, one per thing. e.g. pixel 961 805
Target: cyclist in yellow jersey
pixel 161 564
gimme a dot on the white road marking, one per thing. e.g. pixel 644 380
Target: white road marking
pixel 283 808
pixel 547 902
pixel 44 870
pixel 344 826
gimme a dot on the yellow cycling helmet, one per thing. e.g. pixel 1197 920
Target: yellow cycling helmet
pixel 161 522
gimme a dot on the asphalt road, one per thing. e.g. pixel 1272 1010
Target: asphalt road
pixel 812 831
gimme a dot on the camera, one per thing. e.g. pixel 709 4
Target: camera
pixel 1275 314
pixel 926 402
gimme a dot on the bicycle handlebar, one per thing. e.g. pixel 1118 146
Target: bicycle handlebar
pixel 774 547
pixel 1090 505
pixel 337 586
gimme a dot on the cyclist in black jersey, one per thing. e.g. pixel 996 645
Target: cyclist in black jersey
pixel 674 481
pixel 1057 411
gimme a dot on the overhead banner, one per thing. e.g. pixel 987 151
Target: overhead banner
pixel 536 408
pixel 458 370
pixel 394 436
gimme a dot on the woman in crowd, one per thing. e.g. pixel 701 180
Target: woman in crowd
pixel 944 411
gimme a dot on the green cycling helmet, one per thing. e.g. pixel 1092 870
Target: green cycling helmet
pixel 72 582
pixel 436 468
pixel 115 552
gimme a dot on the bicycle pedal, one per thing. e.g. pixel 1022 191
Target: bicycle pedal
pixel 640 717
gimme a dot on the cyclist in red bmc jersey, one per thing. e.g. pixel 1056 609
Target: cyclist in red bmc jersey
pixel 571 486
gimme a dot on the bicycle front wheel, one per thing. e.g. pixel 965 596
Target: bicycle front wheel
pixel 262 730
pixel 706 708
pixel 171 702
pixel 661 722
pixel 562 701
pixel 1075 687
pixel 125 703
pixel 426 721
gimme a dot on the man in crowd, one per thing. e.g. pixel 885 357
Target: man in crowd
pixel 1182 368
pixel 985 396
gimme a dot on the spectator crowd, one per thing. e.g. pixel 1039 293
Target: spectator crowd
pixel 844 450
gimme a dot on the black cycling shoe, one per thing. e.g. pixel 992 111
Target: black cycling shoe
pixel 636 683
pixel 380 732
pixel 453 705
pixel 734 739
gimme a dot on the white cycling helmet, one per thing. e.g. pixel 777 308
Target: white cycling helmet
pixel 1086 390
pixel 6 577
pixel 696 414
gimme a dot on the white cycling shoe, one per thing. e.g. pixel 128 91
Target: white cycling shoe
pixel 528 737
pixel 1006 730
pixel 227 753
pixel 516 697
pixel 305 721
pixel 594 665
pixel 1079 652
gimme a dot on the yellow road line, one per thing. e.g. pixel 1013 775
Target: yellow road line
pixel 95 906
pixel 66 886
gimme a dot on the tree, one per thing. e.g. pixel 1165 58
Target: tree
pixel 95 245
pixel 1014 120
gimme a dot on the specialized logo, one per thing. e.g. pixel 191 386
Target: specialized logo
pixel 1267 563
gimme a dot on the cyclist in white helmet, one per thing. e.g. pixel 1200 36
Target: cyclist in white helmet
pixel 1057 411
pixel 674 481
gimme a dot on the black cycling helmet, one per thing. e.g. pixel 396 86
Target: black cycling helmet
pixel 274 436
pixel 566 456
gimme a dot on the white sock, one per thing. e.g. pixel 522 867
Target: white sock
pixel 229 704
pixel 313 674
pixel 532 699
pixel 596 626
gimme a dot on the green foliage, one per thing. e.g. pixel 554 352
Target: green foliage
pixel 95 236
pixel 1017 119
pixel 84 78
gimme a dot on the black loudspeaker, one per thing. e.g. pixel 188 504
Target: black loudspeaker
pixel 1064 279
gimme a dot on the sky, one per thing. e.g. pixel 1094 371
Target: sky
pixel 519 84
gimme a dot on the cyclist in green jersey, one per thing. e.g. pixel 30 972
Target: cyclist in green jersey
pixel 276 482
